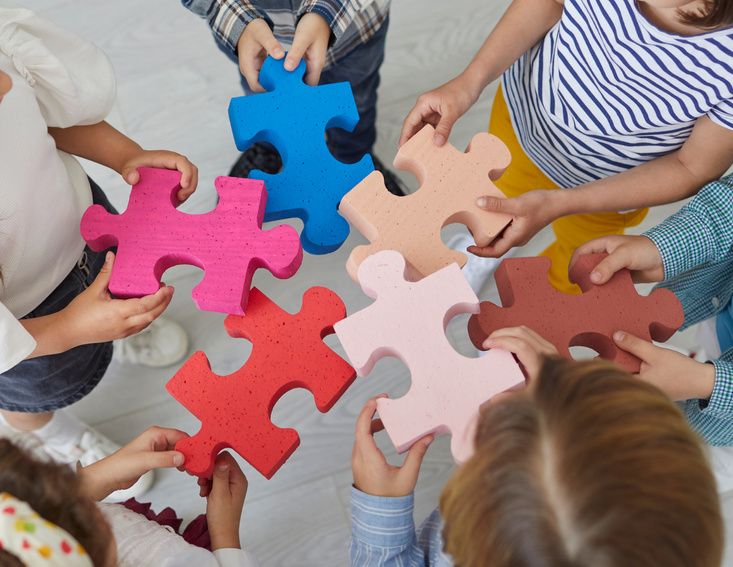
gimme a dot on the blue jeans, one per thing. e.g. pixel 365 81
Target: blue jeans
pixel 360 68
pixel 48 383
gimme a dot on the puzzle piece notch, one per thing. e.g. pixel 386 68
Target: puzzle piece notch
pixel 228 243
pixel 293 117
pixel 287 352
pixel 588 319
pixel 408 321
pixel 450 182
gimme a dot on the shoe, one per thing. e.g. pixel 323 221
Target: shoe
pixel 258 156
pixel 477 269
pixel 393 183
pixel 162 343
pixel 77 442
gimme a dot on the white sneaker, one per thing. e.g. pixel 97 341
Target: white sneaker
pixel 477 269
pixel 163 343
pixel 76 442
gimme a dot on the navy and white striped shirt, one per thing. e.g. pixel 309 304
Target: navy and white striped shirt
pixel 605 90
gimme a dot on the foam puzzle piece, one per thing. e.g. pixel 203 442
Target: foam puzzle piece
pixel 588 319
pixel 408 321
pixel 228 243
pixel 450 182
pixel 293 117
pixel 287 352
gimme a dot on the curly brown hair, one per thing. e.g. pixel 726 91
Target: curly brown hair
pixel 589 466
pixel 718 15
pixel 54 492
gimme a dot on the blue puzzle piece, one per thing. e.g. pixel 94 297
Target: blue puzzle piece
pixel 293 117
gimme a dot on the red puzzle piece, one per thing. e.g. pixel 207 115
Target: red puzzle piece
pixel 588 319
pixel 287 352
pixel 228 242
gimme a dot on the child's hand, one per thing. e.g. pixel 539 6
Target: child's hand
pixel 529 347
pixel 253 47
pixel 440 107
pixel 94 317
pixel 372 474
pixel 531 212
pixel 225 492
pixel 677 375
pixel 638 254
pixel 153 449
pixel 310 43
pixel 163 160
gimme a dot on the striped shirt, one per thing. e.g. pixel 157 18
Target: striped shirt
pixel 352 22
pixel 605 91
pixel 696 245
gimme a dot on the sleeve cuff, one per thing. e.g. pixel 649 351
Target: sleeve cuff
pixel 15 342
pixel 721 400
pixel 235 558
pixel 382 521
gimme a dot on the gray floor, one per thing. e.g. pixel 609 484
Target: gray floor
pixel 174 87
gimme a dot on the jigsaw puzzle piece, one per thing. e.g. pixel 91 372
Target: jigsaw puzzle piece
pixel 228 243
pixel 587 320
pixel 408 321
pixel 287 352
pixel 450 182
pixel 293 117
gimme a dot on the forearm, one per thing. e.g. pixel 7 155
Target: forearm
pixel 51 333
pixel 524 24
pixel 662 180
pixel 99 142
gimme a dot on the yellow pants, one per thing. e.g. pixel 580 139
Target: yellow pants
pixel 523 175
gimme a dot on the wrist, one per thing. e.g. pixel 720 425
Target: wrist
pixel 704 382
pixel 92 483
pixel 228 540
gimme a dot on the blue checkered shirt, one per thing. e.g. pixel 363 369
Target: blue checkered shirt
pixel 383 534
pixel 696 247
pixel 352 23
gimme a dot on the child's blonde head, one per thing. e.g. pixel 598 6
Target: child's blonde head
pixel 590 466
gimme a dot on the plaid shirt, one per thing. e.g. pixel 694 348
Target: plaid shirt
pixel 352 22
pixel 696 245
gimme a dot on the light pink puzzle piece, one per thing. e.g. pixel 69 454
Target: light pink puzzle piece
pixel 450 182
pixel 228 243
pixel 408 321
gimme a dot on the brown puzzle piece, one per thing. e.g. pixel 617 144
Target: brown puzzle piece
pixel 450 182
pixel 588 319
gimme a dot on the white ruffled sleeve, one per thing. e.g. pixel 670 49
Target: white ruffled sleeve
pixel 15 342
pixel 73 79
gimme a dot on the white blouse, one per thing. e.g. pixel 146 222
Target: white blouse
pixel 60 80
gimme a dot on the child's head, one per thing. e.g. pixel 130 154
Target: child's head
pixel 705 14
pixel 589 466
pixel 54 492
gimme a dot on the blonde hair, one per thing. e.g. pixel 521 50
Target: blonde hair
pixel 589 467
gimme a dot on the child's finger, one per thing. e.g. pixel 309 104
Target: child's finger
pixel 364 420
pixel 411 466
pixel 105 273
pixel 636 346
pixel 606 268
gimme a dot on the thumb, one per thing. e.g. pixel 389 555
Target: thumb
pixel 638 347
pixel 220 478
pixel 164 460
pixel 442 130
pixel 494 204
pixel 606 268
pixel 105 273
pixel 130 175
pixel 415 456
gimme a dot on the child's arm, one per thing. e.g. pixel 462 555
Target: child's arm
pixel 382 530
pixel 106 145
pixel 524 24
pixel 225 492
pixel 704 156
pixel 153 449
pixel 94 317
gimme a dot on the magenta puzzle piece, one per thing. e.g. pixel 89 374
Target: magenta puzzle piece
pixel 588 319
pixel 287 352
pixel 228 243
pixel 408 321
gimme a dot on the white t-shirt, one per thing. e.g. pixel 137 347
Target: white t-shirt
pixel 141 542
pixel 61 80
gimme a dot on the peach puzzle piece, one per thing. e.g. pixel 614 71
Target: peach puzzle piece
pixel 287 352
pixel 450 182
pixel 588 319
pixel 228 243
pixel 408 321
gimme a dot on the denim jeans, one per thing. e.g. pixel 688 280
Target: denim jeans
pixel 48 383
pixel 360 68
